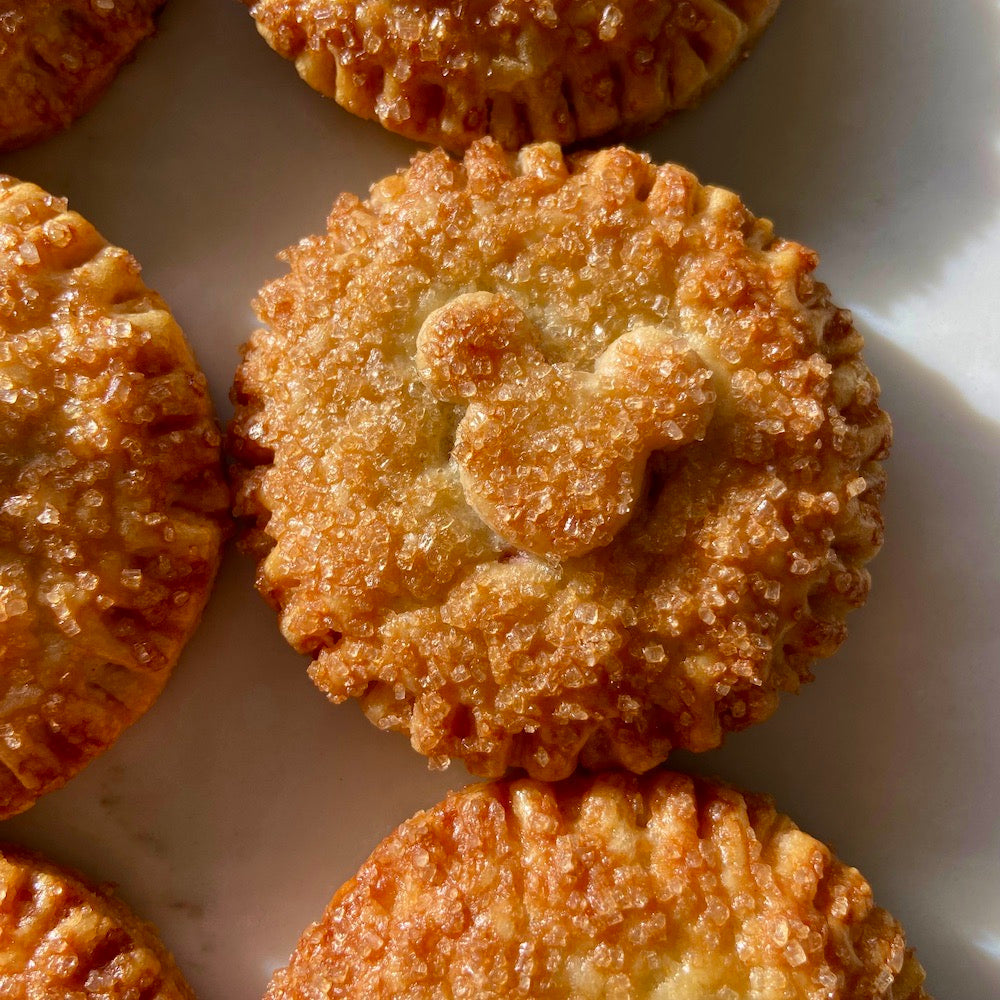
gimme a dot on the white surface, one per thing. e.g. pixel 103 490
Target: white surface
pixel 234 809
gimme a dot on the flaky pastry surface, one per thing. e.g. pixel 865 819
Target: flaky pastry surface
pixel 58 56
pixel 112 503
pixel 662 887
pixel 519 70
pixel 554 460
pixel 63 938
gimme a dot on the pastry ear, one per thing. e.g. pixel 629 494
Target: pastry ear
pixel 469 347
pixel 663 385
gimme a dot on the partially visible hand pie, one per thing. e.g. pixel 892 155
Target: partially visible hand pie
pixel 553 460
pixel 58 56
pixel 608 888
pixel 519 70
pixel 112 501
pixel 63 938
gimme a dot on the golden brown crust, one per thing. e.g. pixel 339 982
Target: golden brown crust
pixel 58 56
pixel 553 460
pixel 610 886
pixel 112 503
pixel 65 938
pixel 520 70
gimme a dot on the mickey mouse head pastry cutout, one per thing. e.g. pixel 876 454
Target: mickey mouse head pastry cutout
pixel 552 458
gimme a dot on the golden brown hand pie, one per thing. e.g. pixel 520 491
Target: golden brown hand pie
pixel 112 503
pixel 624 888
pixel 63 938
pixel 58 56
pixel 554 459
pixel 520 70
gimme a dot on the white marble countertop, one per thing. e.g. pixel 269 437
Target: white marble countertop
pixel 231 812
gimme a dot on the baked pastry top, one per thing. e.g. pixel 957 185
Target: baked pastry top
pixel 64 938
pixel 553 459
pixel 58 56
pixel 112 500
pixel 520 70
pixel 609 887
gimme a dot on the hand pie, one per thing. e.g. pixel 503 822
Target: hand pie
pixel 66 939
pixel 519 70
pixel 603 888
pixel 58 56
pixel 112 501
pixel 553 460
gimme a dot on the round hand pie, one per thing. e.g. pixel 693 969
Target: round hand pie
pixel 607 888
pixel 112 503
pixel 554 460
pixel 65 939
pixel 58 56
pixel 519 70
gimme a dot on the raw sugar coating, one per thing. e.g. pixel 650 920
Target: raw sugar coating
pixel 58 56
pixel 552 460
pixel 63 938
pixel 610 888
pixel 112 502
pixel 520 70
